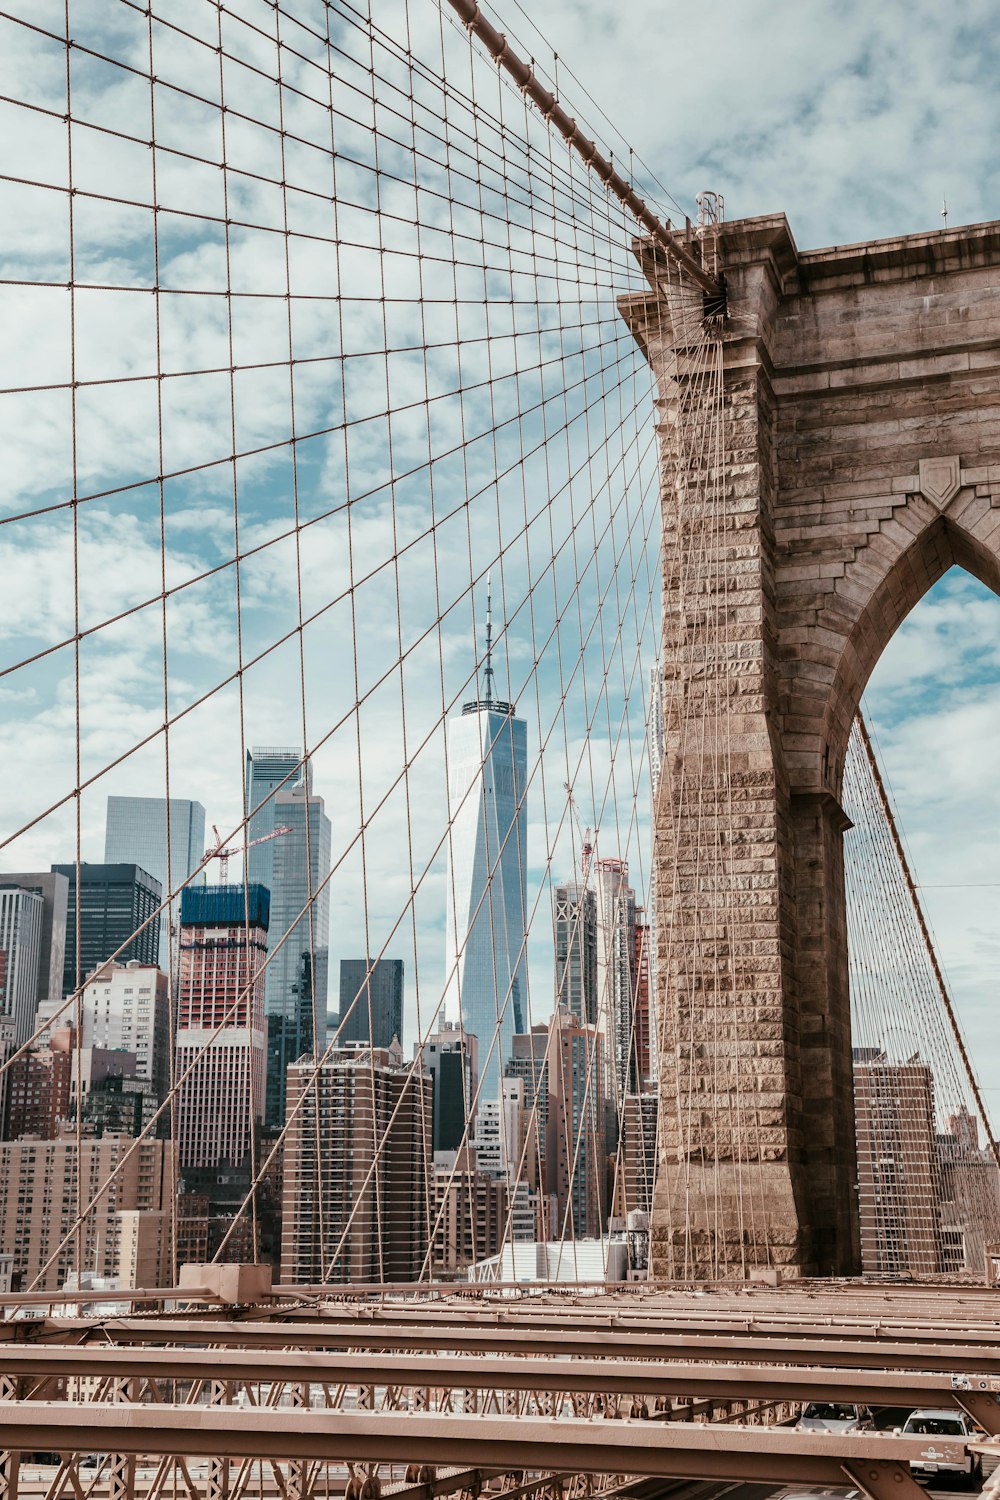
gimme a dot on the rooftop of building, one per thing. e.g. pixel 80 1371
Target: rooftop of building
pixel 225 905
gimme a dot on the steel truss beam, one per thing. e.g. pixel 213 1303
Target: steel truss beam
pixel 466 1372
pixel 681 1450
pixel 812 1301
pixel 969 1357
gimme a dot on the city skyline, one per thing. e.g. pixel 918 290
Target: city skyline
pixel 534 1154
pixel 540 939
pixel 550 844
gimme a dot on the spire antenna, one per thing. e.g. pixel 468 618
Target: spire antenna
pixel 488 669
pixel 489 700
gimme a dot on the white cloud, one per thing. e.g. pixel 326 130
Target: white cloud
pixel 851 118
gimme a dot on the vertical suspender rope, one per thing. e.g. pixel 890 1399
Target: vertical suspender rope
pixel 939 979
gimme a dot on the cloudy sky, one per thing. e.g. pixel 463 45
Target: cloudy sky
pixel 855 120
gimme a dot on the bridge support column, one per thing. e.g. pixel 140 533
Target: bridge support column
pixel 733 1193
pixel 220 1393
pixel 121 1466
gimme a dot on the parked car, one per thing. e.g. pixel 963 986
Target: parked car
pixel 818 1494
pixel 834 1416
pixel 947 1432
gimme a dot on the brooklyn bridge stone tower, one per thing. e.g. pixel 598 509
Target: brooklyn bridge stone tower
pixel 829 447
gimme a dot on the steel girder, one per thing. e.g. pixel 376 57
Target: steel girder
pixel 475 1373
pixel 680 1450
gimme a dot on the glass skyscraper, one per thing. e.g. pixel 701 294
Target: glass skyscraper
pixel 486 973
pixel 115 900
pixel 135 832
pixel 371 1005
pixel 292 866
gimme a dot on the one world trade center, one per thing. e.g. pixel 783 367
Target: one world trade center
pixel 486 965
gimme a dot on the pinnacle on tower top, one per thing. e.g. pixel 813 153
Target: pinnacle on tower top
pixel 488 700
pixel 488 669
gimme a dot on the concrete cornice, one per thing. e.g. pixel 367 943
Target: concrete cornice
pixel 900 258
pixel 768 238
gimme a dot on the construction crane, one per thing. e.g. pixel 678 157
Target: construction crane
pixel 586 837
pixel 223 852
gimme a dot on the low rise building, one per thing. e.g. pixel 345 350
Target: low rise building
pixel 45 1184
pixel 48 1084
pixel 469 1214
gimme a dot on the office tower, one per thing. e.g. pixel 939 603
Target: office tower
pixel 642 1069
pixel 527 1214
pixel 124 1006
pixel 54 891
pixel 8 1046
pixel 506 1148
pixel 135 832
pixel 293 867
pixel 636 1164
pixel 21 918
pixel 449 1058
pixel 269 769
pixel 223 944
pixel 39 1204
pixel 616 972
pixel 899 1175
pixel 575 932
pixel 575 1144
pixel 115 901
pixel 343 1217
pixel 192 1229
pixel 371 1001
pixel 529 1064
pixel 486 879
pixel 469 1214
